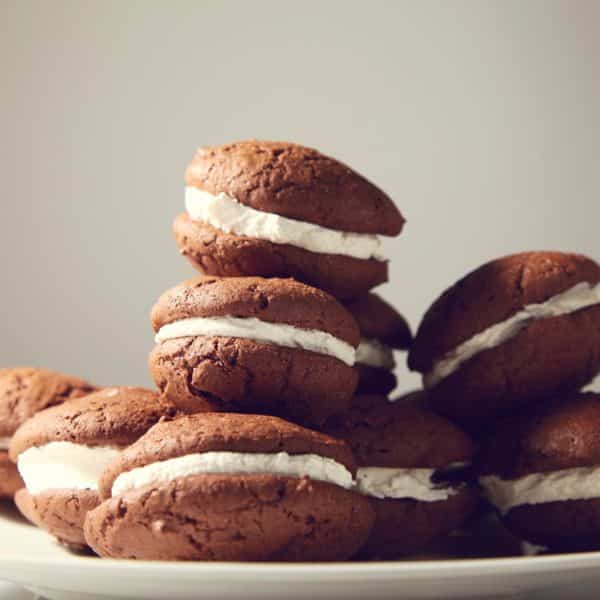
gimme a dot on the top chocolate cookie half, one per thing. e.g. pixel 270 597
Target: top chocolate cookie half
pixel 496 302
pixel 25 391
pixel 295 182
pixel 388 434
pixel 113 417
pixel 224 443
pixel 281 301
pixel 559 436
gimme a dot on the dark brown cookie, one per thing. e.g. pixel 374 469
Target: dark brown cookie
pixel 406 438
pixel 239 518
pixel 557 447
pixel 10 481
pixel 224 432
pixel 382 329
pixel 374 380
pixel 27 390
pixel 273 300
pixel 546 355
pixel 380 321
pixel 25 504
pixel 179 514
pixel 222 373
pixel 113 416
pixel 101 423
pixel 215 252
pixel 403 527
pixel 561 435
pixel 296 183
pixel 387 434
pixel 60 512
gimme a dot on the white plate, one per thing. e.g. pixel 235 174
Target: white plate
pixel 30 558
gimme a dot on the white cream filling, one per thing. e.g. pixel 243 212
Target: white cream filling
pixel 416 484
pixel 581 483
pixel 4 443
pixel 235 463
pixel 529 549
pixel 227 214
pixel 251 328
pixel 576 298
pixel 373 353
pixel 64 465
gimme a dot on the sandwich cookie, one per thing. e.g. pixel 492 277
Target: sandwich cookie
pixel 277 209
pixel 542 473
pixel 221 486
pixel 515 331
pixel 413 468
pixel 23 392
pixel 247 344
pixel 382 330
pixel 61 451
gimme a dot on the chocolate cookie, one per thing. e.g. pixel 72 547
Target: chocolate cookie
pixel 382 330
pixel 542 473
pixel 254 345
pixel 277 209
pixel 23 392
pixel 61 451
pixel 230 487
pixel 10 481
pixel 413 467
pixel 513 332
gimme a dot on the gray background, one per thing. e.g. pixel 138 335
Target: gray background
pixel 481 119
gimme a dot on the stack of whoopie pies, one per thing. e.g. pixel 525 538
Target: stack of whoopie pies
pixel 272 436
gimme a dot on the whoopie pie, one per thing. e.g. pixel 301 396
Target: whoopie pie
pixel 512 333
pixel 277 209
pixel 413 466
pixel 542 473
pixel 248 344
pixel 217 486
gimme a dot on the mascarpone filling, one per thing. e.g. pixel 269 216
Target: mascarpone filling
pixel 576 298
pixel 279 334
pixel 581 483
pixel 235 463
pixel 373 353
pixel 415 484
pixel 64 465
pixel 4 443
pixel 230 216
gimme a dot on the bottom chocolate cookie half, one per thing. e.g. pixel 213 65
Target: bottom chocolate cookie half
pixel 201 374
pixel 26 505
pixel 372 380
pixel 59 512
pixel 567 526
pixel 405 526
pixel 230 518
pixel 217 253
pixel 10 480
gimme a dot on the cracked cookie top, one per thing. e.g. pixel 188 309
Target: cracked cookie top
pixel 561 435
pixel 110 417
pixel 386 434
pixel 273 300
pixel 295 182
pixel 25 391
pixel 224 432
pixel 379 320
pixel 492 294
